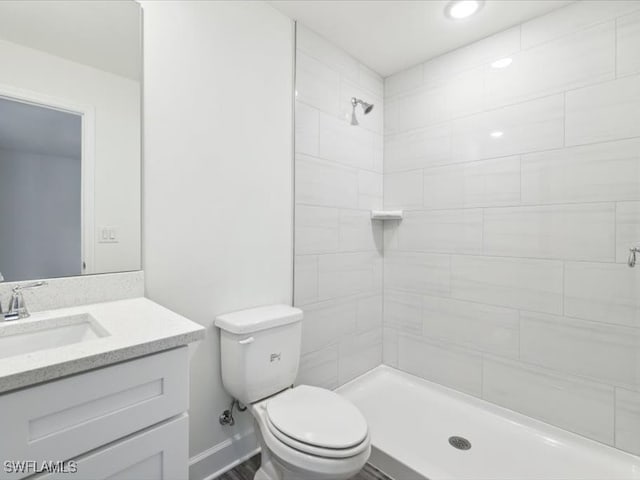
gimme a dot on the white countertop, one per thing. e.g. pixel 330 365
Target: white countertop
pixel 136 327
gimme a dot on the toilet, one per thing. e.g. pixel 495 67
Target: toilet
pixel 305 432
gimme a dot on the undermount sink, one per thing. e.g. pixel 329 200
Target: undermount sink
pixel 20 338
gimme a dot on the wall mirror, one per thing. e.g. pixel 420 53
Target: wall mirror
pixel 70 148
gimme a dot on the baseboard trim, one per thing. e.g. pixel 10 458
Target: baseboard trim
pixel 216 460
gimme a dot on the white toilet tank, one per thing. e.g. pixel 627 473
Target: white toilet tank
pixel 260 350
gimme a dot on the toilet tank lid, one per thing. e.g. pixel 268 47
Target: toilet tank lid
pixel 256 319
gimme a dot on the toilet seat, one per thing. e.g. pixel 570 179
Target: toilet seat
pixel 318 422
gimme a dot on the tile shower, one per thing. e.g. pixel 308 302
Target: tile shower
pixel 506 279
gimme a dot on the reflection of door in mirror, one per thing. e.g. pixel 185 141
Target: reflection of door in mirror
pixel 40 191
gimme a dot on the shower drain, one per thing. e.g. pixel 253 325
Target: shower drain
pixel 460 443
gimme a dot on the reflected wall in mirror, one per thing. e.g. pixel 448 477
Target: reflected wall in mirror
pixel 70 93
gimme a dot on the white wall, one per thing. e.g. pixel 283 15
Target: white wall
pixel 40 216
pixel 116 101
pixel 506 279
pixel 338 248
pixel 217 180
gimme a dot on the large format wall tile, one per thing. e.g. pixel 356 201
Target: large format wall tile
pixel 525 127
pixel 313 45
pixel 403 311
pixel 403 190
pixel 578 232
pixel 578 406
pixel 606 292
pixel 441 363
pixel 627 229
pixel 317 229
pixel 307 130
pixel 603 112
pixel 473 325
pixel 628 53
pixel 418 148
pixel 447 231
pixel 511 282
pixel 572 61
pixel 628 420
pixel 319 368
pixel 359 354
pixel 327 322
pixel 476 184
pixel 341 142
pixel 573 18
pixel 306 279
pixel 319 182
pixel 341 274
pixel 316 84
pixel 590 173
pixel 417 272
pixel 604 352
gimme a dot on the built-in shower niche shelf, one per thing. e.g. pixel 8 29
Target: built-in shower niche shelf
pixel 386 214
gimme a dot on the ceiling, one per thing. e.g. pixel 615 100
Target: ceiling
pixel 39 130
pixel 104 34
pixel 391 35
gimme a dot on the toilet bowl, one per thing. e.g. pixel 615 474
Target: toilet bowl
pixel 305 432
pixel 310 433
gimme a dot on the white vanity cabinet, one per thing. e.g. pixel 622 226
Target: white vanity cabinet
pixel 124 421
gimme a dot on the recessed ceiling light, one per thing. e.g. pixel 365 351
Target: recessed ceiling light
pixel 460 9
pixel 502 63
pixel 496 134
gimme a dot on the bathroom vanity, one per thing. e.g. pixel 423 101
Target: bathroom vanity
pixel 105 386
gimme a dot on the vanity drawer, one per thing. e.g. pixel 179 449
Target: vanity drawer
pixel 158 453
pixel 65 418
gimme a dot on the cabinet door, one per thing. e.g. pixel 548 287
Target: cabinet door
pixel 65 418
pixel 158 453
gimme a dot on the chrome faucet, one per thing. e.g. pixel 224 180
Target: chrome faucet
pixel 17 308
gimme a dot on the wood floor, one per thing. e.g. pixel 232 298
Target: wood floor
pixel 246 470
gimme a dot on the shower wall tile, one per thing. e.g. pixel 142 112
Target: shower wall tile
pixel 371 81
pixel 627 229
pixel 572 61
pixel 319 368
pixel 341 143
pixel 423 273
pixel 440 69
pixel 600 172
pixel 604 292
pixel 418 148
pixel 628 53
pixel 374 120
pixel 572 232
pixel 576 405
pixel 628 420
pixel 525 127
pixel 369 190
pixel 573 18
pixel 326 323
pixel 604 352
pixel 307 130
pixel 603 112
pixel 511 282
pixel 306 279
pixel 511 254
pixel 342 274
pixel 323 183
pixel 316 84
pixel 441 363
pixel 473 325
pixel 403 311
pixel 445 231
pixel 357 233
pixel 338 180
pixel 485 183
pixel 317 229
pixel 403 190
pixel 403 82
pixel 310 43
pixel 359 354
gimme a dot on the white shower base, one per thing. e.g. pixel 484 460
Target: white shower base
pixel 412 419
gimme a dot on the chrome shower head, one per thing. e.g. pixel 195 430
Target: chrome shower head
pixel 367 107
